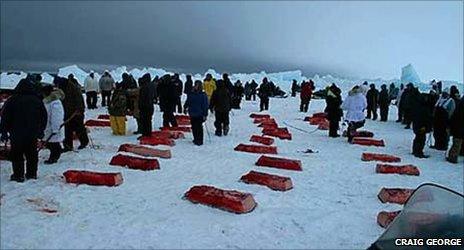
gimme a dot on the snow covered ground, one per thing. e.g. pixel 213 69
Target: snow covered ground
pixel 333 203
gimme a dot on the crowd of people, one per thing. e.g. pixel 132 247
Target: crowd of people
pixel 439 112
pixel 40 115
pixel 37 113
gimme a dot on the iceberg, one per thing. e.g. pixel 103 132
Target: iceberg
pixel 47 78
pixel 409 74
pixel 78 73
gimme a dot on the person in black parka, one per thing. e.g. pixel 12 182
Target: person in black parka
pixel 264 94
pixel 228 83
pixel 178 88
pixel 294 88
pixel 406 105
pixel 167 94
pixel 253 86
pixel 421 121
pixel 146 102
pixel 188 85
pixel 237 95
pixel 384 103
pixel 372 97
pixel 334 112
pixel 74 109
pixel 220 104
pixel 24 118
pixel 457 131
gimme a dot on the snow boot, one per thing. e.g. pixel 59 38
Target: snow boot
pixel 17 178
pixel 218 133
pixel 31 176
pixel 454 161
pixel 421 156
pixel 82 146
pixel 226 130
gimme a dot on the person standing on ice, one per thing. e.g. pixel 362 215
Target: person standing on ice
pixel 220 104
pixel 354 105
pixel 444 109
pixel 294 87
pixel 305 95
pixel 247 91
pixel 454 93
pixel 237 95
pixel 334 112
pixel 167 100
pixel 264 94
pixel 197 106
pixel 457 131
pixel 364 88
pixel 117 109
pixel 74 109
pixel 23 121
pixel 188 86
pixel 228 83
pixel 384 103
pixel 179 88
pixel 134 95
pixel 91 88
pixel 106 86
pixel 372 97
pixel 393 91
pixel 397 103
pixel 210 85
pixel 253 86
pixel 146 104
pixel 421 121
pixel 406 105
pixel 53 134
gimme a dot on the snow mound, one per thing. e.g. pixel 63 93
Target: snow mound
pixel 9 81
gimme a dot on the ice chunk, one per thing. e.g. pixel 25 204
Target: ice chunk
pixel 9 81
pixel 78 73
pixel 47 78
pixel 409 74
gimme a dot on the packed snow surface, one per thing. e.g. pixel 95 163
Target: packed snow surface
pixel 333 203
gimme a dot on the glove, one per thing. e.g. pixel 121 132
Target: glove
pixel 4 137
pixel 40 144
pixel 423 130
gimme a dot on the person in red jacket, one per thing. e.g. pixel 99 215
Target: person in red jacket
pixel 305 95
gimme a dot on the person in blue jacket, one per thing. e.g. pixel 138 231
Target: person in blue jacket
pixel 197 106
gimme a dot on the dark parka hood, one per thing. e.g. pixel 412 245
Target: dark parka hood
pixel 25 87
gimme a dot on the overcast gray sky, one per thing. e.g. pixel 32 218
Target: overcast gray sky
pixel 346 38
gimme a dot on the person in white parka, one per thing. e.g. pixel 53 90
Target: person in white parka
pixel 92 89
pixel 53 134
pixel 354 105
